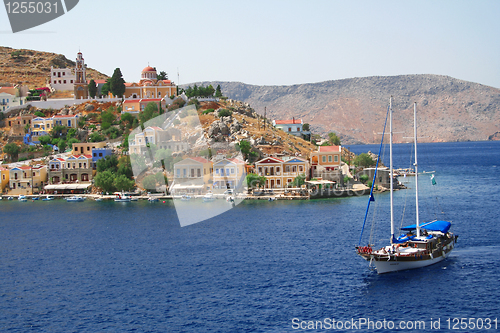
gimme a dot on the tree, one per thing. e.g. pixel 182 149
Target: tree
pixel 61 145
pixel 58 131
pixel 125 166
pixel 305 127
pixel 149 182
pixel 245 148
pixel 45 140
pixel 162 76
pixel 108 163
pixel 106 88
pixel 122 183
pixel 299 180
pixel 96 137
pixel 334 139
pixel 117 83
pixel 150 111
pixel 92 88
pixel 364 160
pixel 253 180
pixel 39 114
pixel 218 92
pixel 105 180
pixel 12 150
pixel 127 118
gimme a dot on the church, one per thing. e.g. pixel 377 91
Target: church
pixel 150 87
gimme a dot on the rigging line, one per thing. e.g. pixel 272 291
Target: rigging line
pixel 374 177
pixel 406 192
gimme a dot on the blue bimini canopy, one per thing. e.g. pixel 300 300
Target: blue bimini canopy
pixel 442 226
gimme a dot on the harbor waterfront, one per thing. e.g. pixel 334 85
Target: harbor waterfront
pixel 260 267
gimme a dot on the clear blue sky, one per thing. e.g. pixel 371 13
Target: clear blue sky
pixel 276 42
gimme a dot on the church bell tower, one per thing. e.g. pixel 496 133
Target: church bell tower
pixel 81 87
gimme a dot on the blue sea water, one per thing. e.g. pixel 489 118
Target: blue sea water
pixel 130 267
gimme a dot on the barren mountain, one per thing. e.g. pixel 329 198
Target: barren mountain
pixel 32 68
pixel 448 109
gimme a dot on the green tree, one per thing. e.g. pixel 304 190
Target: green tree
pixel 92 88
pixel 122 183
pixel 305 127
pixel 245 148
pixel 45 140
pixel 96 137
pixel 62 145
pixel 12 150
pixel 334 139
pixel 162 76
pixel 224 113
pixel 363 178
pixel 299 180
pixel 125 166
pixel 105 180
pixel 165 157
pixel 127 118
pixel 253 180
pixel 117 83
pixel 106 88
pixel 150 111
pixel 363 160
pixel 149 182
pixel 39 114
pixel 71 133
pixel 218 91
pixel 108 163
pixel 58 131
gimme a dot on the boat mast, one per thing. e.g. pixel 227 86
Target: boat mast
pixel 416 165
pixel 391 171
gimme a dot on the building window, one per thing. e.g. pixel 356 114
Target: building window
pixel 336 158
pixel 324 158
pixel 64 81
pixel 301 168
pixel 329 158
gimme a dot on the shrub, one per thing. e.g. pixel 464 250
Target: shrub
pixel 224 113
pixel 208 111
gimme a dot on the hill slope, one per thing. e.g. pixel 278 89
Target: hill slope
pixel 32 68
pixel 449 109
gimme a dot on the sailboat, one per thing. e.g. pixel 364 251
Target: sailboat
pixel 421 244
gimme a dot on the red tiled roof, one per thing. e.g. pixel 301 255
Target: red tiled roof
pixel 149 69
pixel 325 149
pixel 289 121
pixel 236 160
pixel 199 159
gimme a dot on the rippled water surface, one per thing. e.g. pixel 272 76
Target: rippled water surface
pixel 119 267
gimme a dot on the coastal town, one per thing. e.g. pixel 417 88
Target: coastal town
pixel 151 139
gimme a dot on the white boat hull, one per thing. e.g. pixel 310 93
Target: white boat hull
pixel 387 266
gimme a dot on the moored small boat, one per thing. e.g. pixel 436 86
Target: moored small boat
pixel 75 198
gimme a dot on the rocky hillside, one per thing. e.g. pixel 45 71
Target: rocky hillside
pixel 32 68
pixel 448 109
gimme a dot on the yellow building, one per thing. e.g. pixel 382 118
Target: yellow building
pixel 86 147
pixel 149 86
pixel 192 175
pixel 4 179
pixel 27 179
pixel 326 163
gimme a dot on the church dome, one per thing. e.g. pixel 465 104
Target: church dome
pixel 148 73
pixel 149 69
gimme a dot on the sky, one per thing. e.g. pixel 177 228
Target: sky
pixel 275 42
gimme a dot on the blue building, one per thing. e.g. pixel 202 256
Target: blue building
pixel 98 153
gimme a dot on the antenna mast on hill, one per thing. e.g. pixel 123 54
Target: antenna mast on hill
pixel 264 120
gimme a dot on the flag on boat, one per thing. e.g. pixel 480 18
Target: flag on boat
pixel 433 180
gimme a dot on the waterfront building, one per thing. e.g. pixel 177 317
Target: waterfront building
pixel 326 163
pixel 229 173
pixel 280 173
pixel 27 179
pixel 9 98
pixel 162 139
pixel 294 167
pixel 271 168
pixel 73 169
pixel 192 175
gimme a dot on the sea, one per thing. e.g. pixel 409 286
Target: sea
pixel 280 266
